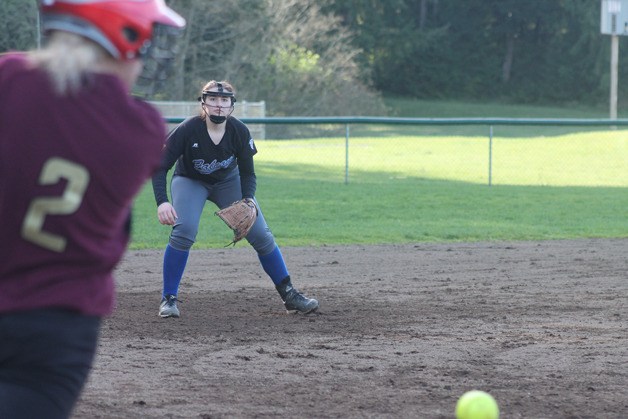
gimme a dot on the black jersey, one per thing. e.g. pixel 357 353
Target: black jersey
pixel 197 157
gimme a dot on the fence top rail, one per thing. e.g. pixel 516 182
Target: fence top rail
pixel 427 121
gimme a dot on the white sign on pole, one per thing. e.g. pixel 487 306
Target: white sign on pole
pixel 614 6
pixel 614 17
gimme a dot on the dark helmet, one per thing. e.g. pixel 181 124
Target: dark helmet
pixel 221 92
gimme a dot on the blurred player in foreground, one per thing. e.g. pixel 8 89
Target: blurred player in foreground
pixel 75 148
pixel 214 155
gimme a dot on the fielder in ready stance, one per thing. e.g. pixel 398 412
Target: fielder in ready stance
pixel 214 155
pixel 75 148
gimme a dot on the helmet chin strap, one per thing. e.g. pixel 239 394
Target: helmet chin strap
pixel 218 119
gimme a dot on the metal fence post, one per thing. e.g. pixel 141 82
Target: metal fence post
pixel 490 155
pixel 346 154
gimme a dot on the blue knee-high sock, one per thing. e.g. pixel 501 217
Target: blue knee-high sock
pixel 274 265
pixel 174 265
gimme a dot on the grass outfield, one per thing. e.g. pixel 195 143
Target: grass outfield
pixel 422 188
pixel 583 159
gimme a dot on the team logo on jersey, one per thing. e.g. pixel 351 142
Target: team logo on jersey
pixel 251 144
pixel 206 168
pixel 195 145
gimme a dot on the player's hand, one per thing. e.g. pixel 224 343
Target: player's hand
pixel 166 214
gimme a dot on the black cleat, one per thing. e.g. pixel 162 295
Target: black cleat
pixel 168 307
pixel 293 300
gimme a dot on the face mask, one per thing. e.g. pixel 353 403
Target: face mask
pixel 217 119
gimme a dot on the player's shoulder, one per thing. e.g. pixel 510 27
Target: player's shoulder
pixel 191 124
pixel 147 111
pixel 187 128
pixel 13 62
pixel 240 128
pixel 236 123
pixel 15 58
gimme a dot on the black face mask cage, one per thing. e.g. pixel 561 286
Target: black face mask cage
pixel 158 55
pixel 217 119
pixel 220 93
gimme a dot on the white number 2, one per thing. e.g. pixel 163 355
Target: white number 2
pixel 55 169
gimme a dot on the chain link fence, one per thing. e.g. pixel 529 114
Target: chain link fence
pixel 547 152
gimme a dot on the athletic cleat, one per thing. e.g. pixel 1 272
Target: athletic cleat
pixel 168 307
pixel 295 302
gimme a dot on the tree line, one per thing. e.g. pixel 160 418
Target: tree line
pixel 340 57
pixel 523 51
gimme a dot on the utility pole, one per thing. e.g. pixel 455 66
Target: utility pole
pixel 614 77
pixel 614 22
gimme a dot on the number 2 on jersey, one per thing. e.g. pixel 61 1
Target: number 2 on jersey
pixel 54 170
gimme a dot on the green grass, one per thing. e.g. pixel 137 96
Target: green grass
pixel 412 108
pixel 408 186
pixel 583 159
pixel 404 107
pixel 444 198
pixel 314 212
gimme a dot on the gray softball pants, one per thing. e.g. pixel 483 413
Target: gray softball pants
pixel 188 199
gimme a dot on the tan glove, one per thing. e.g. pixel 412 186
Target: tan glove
pixel 239 217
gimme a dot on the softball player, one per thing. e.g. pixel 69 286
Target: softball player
pixel 214 162
pixel 75 148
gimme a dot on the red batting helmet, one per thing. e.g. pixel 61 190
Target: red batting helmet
pixel 125 28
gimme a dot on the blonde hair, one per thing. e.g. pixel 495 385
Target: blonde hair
pixel 69 59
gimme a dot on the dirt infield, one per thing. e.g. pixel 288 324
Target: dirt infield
pixel 403 331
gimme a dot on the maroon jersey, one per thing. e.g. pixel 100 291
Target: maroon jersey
pixel 69 169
